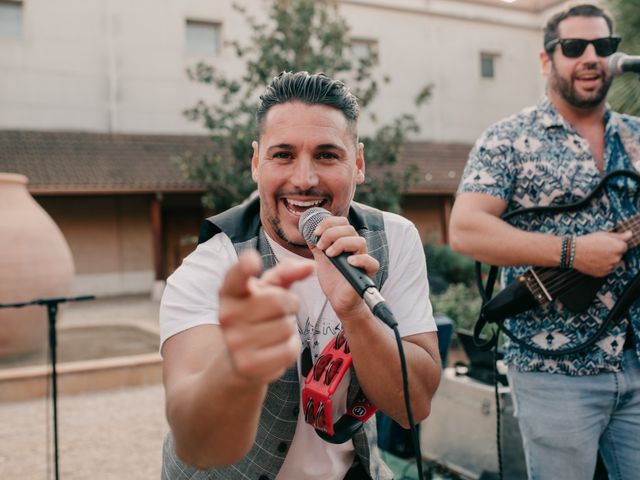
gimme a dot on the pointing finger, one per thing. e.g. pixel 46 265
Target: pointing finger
pixel 288 272
pixel 236 281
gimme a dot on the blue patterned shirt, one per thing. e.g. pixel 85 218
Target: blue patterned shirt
pixel 536 158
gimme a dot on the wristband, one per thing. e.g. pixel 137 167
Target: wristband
pixel 572 254
pixel 564 251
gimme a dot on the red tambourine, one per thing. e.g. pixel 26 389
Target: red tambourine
pixel 321 383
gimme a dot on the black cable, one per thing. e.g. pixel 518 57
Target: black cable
pixel 498 416
pixel 384 313
pixel 47 407
pixel 52 311
pixel 486 290
pixel 407 403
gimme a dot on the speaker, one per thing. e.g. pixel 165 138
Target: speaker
pixel 460 432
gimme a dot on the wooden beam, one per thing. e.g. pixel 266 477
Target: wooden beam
pixel 446 202
pixel 155 212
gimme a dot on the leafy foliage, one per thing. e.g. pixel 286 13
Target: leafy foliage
pixel 453 288
pixel 461 303
pixel 449 266
pixel 299 35
pixel 625 92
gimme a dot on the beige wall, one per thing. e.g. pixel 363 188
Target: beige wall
pixel 113 65
pixel 119 66
pixel 110 239
pixel 427 45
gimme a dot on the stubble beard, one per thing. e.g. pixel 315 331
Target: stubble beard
pixel 567 91
pixel 274 221
pixel 276 226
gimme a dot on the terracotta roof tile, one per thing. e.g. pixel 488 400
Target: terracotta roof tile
pixel 81 162
pixel 440 165
pixel 68 162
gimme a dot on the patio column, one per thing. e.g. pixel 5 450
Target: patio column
pixel 156 234
pixel 445 215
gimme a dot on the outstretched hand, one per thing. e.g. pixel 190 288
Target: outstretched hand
pixel 257 317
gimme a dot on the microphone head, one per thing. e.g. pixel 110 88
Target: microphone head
pixel 614 64
pixel 309 221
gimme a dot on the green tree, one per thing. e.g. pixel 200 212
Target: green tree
pixel 299 35
pixel 461 303
pixel 625 92
pixel 447 267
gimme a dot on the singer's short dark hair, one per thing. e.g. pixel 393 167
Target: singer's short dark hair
pixel 582 10
pixel 312 89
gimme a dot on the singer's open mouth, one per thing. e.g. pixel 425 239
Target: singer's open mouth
pixel 298 207
pixel 588 77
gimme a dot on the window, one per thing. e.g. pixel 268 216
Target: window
pixel 487 65
pixel 10 19
pixel 202 38
pixel 363 50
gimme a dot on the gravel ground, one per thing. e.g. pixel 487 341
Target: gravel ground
pixel 112 435
pixel 106 435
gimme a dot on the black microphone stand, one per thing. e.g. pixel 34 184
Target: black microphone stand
pixel 52 311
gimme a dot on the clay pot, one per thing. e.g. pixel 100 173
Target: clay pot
pixel 35 262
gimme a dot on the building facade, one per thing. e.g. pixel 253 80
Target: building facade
pixel 81 80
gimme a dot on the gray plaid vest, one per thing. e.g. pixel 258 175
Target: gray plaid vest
pixel 282 403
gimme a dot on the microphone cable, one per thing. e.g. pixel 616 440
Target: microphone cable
pixel 47 408
pixel 498 413
pixel 415 437
pixel 365 287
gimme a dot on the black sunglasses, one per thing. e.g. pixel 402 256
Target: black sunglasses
pixel 575 47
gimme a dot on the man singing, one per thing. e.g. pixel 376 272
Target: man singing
pixel 555 153
pixel 237 314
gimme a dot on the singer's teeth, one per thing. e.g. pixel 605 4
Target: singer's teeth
pixel 297 207
pixel 307 204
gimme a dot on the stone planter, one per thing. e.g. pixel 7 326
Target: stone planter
pixel 35 262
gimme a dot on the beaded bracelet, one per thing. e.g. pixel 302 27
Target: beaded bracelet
pixel 572 254
pixel 563 252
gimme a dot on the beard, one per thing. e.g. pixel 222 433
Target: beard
pixel 276 227
pixel 269 215
pixel 565 88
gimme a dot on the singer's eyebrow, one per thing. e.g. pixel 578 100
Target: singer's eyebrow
pixel 280 146
pixel 330 146
pixel 288 146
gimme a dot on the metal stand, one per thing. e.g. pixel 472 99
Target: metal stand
pixel 52 312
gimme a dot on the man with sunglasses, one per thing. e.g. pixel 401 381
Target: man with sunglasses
pixel 236 313
pixel 556 153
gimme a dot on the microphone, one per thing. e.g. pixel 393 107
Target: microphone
pixel 620 63
pixel 357 277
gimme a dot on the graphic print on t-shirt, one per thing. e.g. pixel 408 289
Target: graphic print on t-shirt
pixel 312 331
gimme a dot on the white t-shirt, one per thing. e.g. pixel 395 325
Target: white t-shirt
pixel 190 299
